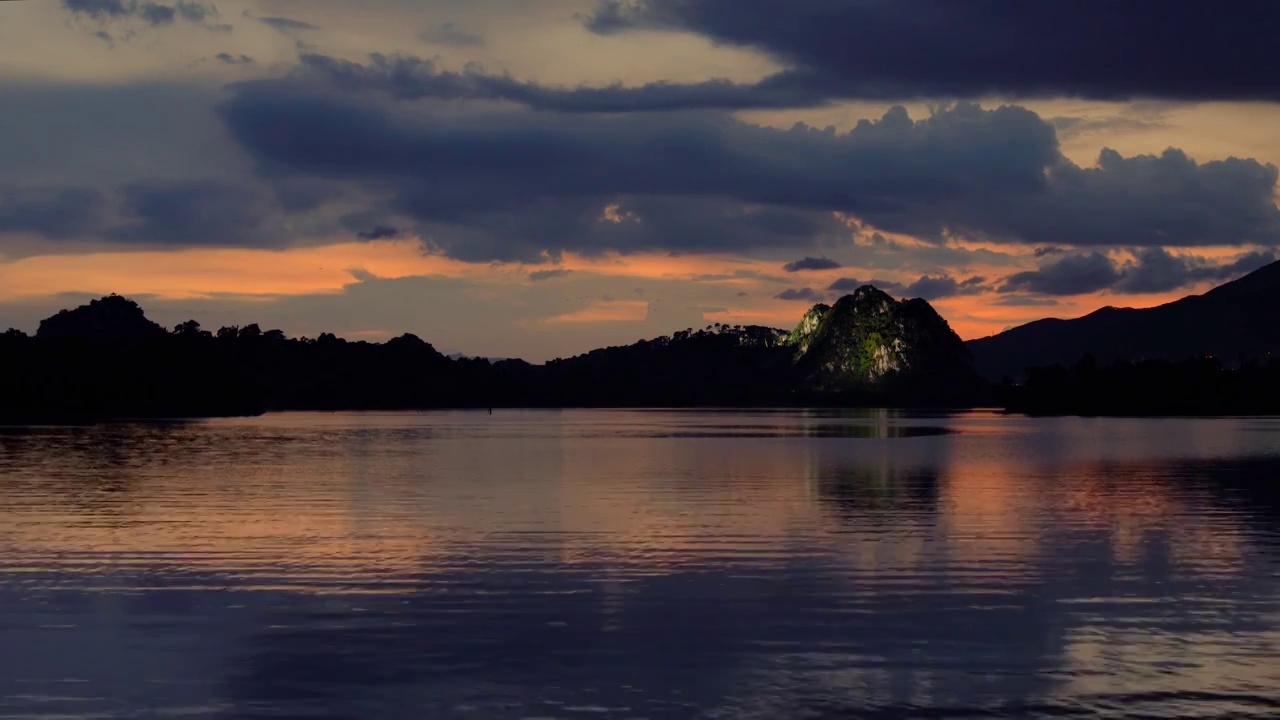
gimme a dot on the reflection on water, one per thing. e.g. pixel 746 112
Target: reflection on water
pixel 641 564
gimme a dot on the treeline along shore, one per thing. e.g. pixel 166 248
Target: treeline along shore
pixel 106 360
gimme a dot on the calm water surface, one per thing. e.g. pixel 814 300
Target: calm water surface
pixel 642 565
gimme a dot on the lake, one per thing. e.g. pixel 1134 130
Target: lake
pixel 642 564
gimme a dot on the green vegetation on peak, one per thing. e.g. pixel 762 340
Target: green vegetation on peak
pixel 808 327
pixel 868 342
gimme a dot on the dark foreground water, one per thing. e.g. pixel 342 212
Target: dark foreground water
pixel 641 565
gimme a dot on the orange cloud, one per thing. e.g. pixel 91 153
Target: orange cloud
pixel 775 314
pixel 979 316
pixel 662 266
pixel 603 312
pixel 205 272
pixel 262 274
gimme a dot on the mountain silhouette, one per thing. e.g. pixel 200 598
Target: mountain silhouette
pixel 1235 323
pixel 109 318
pixel 867 349
pixel 870 343
pixel 106 360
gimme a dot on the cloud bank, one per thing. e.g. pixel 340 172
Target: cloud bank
pixel 1096 49
pixel 1153 270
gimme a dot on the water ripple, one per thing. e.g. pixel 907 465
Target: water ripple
pixel 655 564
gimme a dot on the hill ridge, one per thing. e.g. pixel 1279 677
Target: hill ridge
pixel 1235 321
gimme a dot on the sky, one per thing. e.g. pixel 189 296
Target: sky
pixel 537 178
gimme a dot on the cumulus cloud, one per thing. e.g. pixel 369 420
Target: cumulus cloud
pixel 1152 270
pixel 1157 270
pixel 157 14
pixel 932 287
pixel 154 14
pixel 805 294
pixel 871 49
pixel 1072 275
pixel 196 12
pixel 101 9
pixel 518 185
pixel 1146 200
pixel 230 59
pixel 929 287
pixel 811 263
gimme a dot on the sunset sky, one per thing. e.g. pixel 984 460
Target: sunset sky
pixel 536 178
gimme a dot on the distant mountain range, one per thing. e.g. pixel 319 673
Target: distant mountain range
pixel 1235 323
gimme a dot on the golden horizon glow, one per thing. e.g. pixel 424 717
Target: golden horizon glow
pixel 605 311
pixel 268 275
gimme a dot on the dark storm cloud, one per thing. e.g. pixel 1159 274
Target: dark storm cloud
pixel 284 24
pixel 303 194
pixel 230 59
pixel 154 14
pixel 1153 270
pixel 1072 275
pixel 160 212
pixel 58 213
pixel 516 185
pixel 450 34
pixel 196 12
pixel 1146 200
pixel 1245 264
pixel 1099 49
pixel 1157 270
pixel 933 287
pixel 412 78
pixel 811 263
pixel 101 9
pixel 806 294
pixel 380 232
pixel 192 213
pixel 157 14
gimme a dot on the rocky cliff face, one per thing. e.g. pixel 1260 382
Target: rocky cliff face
pixel 803 335
pixel 869 342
